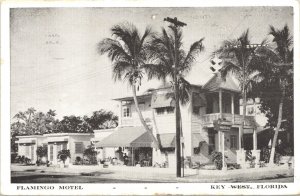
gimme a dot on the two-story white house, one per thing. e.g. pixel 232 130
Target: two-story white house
pixel 217 99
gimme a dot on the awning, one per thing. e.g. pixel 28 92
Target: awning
pixel 26 141
pixel 166 140
pixel 57 139
pixel 163 100
pixel 127 137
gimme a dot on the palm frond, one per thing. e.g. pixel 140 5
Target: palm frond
pixel 195 49
pixel 113 48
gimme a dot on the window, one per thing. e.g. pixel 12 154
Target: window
pixel 250 110
pixel 78 147
pixel 64 146
pixel 233 141
pixel 211 142
pixel 51 152
pixel 160 111
pixel 27 151
pixel 196 110
pixel 170 110
pixel 126 112
pixel 32 152
pixel 58 147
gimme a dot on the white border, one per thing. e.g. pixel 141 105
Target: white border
pixel 117 189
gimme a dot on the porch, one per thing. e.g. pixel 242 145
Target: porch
pixel 236 119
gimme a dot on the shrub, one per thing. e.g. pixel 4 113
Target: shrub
pixel 42 151
pixel 265 154
pixel 91 154
pixel 216 158
pixel 78 161
pixel 63 155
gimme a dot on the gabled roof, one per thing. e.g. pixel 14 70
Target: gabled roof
pixel 217 83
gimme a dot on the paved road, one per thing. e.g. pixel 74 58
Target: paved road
pixel 33 177
pixel 28 177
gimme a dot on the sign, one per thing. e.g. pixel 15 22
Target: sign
pixel 222 125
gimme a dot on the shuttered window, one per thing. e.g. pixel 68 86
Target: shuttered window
pixel 51 152
pixel 64 146
pixel 78 147
pixel 32 152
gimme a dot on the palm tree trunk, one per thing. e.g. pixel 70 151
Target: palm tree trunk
pixel 243 117
pixel 274 142
pixel 141 116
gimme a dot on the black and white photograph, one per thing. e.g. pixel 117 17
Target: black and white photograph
pixel 125 96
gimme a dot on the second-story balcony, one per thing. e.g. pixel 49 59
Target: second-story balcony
pixel 236 119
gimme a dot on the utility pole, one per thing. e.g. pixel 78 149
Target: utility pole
pixel 177 24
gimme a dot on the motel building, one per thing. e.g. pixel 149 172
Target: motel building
pixel 211 121
pixel 55 142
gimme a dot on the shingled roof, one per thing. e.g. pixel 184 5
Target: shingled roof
pixel 217 83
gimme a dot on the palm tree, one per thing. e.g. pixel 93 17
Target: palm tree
pixel 278 70
pixel 170 60
pixel 128 53
pixel 240 59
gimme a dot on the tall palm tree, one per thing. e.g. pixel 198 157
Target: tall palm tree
pixel 240 59
pixel 278 69
pixel 128 53
pixel 166 50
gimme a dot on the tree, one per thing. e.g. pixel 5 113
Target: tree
pixel 128 53
pixel 70 124
pixel 240 59
pixel 170 60
pixel 91 154
pixel 278 77
pixel 63 155
pixel 102 120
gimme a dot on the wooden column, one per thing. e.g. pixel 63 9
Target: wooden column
pixel 219 141
pixel 232 107
pixel 223 150
pixel 220 103
pixel 240 135
pixel 254 139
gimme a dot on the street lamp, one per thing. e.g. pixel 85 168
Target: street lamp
pixel 177 24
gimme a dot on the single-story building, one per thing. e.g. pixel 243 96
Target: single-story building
pixel 75 142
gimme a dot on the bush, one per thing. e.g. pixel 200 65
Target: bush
pixel 216 158
pixel 91 154
pixel 63 155
pixel 13 157
pixel 78 161
pixel 265 154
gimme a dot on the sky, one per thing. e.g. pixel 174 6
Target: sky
pixel 55 64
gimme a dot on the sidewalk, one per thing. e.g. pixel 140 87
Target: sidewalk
pixel 162 174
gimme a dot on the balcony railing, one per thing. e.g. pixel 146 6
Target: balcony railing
pixel 236 119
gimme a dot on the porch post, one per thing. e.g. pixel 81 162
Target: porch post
pixel 232 107
pixel 224 168
pixel 220 103
pixel 254 139
pixel 219 141
pixel 240 139
pixel 255 152
pixel 132 157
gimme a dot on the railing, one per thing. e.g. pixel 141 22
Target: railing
pixel 236 119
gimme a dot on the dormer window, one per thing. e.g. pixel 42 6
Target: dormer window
pixel 160 111
pixel 165 110
pixel 170 110
pixel 126 111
